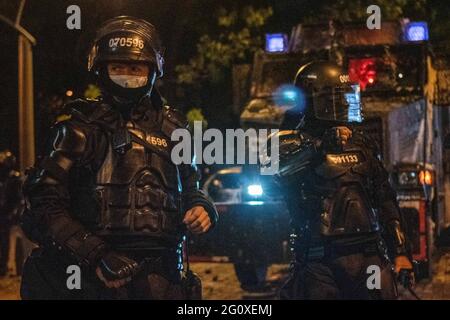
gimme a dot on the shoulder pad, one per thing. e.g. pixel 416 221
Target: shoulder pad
pixel 296 151
pixel 83 110
pixel 175 116
pixel 77 109
pixel 292 134
pixel 284 135
pixel 291 140
pixel 70 139
pixel 172 120
pixel 364 140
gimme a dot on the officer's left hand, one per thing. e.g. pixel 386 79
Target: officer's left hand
pixel 111 283
pixel 402 263
pixel 197 220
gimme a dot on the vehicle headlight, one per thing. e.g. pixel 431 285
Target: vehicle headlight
pixel 407 178
pixel 255 190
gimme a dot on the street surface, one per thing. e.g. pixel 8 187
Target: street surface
pixel 220 282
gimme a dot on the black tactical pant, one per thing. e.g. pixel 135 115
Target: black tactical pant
pixel 339 277
pixel 45 277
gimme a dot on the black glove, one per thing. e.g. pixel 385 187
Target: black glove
pixel 406 278
pixel 115 266
pixel 192 285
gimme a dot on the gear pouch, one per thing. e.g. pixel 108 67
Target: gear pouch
pixel 121 141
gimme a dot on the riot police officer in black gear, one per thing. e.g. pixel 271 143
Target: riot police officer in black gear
pixel 105 194
pixel 346 221
pixel 10 203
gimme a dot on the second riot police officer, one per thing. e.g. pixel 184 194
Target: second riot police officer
pixel 347 224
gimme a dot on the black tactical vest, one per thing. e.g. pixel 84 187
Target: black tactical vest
pixel 333 197
pixel 134 191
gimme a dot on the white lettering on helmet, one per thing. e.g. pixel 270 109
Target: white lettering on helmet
pixel 344 78
pixel 126 42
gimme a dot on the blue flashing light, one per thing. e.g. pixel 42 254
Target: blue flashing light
pixel 416 31
pixel 255 190
pixel 289 95
pixel 276 42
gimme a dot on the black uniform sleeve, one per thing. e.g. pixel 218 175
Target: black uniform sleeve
pixel 385 199
pixel 192 196
pixel 389 213
pixel 189 176
pixel 47 219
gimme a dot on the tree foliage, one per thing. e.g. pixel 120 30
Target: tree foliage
pixel 196 114
pixel 347 11
pixel 435 12
pixel 239 37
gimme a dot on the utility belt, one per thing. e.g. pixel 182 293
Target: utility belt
pixel 165 262
pixel 332 250
pixel 168 263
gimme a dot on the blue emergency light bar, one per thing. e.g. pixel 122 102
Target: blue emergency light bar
pixel 416 31
pixel 276 42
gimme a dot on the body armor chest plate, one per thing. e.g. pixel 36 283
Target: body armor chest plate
pixel 139 188
pixel 339 188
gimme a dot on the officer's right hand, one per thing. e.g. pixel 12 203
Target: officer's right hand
pixel 116 270
pixel 337 136
pixel 343 134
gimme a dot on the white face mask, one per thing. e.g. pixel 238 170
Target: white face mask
pixel 129 81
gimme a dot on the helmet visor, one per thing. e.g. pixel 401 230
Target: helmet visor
pixel 340 104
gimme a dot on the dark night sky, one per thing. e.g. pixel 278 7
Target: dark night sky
pixel 59 57
pixel 61 51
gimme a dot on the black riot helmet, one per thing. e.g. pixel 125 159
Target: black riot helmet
pixel 330 98
pixel 126 39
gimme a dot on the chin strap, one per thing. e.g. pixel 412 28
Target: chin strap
pixel 121 101
pixel 125 103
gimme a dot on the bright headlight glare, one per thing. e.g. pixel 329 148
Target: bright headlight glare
pixel 255 190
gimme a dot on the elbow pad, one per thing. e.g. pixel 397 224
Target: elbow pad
pixel 70 236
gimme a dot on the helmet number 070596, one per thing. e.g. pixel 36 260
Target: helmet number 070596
pixel 126 42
